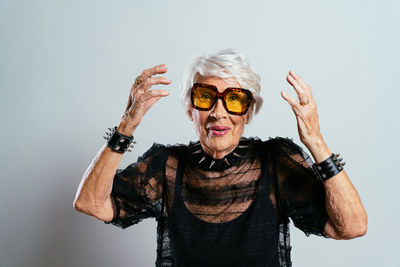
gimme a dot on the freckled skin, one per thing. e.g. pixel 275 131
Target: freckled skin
pixel 218 146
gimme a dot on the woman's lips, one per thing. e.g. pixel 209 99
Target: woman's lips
pixel 219 130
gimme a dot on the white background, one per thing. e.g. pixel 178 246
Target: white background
pixel 65 72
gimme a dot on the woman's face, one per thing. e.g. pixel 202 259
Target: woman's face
pixel 218 131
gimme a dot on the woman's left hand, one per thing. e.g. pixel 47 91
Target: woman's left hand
pixel 305 110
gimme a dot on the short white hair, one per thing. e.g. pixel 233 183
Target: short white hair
pixel 224 64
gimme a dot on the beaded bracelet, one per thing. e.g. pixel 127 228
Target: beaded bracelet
pixel 329 167
pixel 117 141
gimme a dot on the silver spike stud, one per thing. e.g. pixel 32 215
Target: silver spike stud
pixel 105 137
pixel 227 162
pixel 203 158
pixel 340 166
pixel 236 155
pixel 122 140
pixel 243 146
pixel 212 163
pixel 117 147
pixel 197 152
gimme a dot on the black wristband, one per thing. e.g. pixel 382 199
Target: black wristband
pixel 329 167
pixel 117 141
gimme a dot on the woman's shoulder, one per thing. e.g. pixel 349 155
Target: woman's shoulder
pixel 168 149
pixel 271 141
pixel 286 148
pixel 277 145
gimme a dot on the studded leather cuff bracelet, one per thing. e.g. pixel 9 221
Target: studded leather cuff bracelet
pixel 117 141
pixel 329 167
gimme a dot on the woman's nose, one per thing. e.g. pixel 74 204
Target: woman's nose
pixel 219 111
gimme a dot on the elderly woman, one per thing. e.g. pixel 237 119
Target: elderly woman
pixel 224 200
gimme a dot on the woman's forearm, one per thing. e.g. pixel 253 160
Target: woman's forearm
pixel 348 218
pixel 95 187
pixel 93 195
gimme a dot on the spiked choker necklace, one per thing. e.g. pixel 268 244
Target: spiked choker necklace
pixel 206 162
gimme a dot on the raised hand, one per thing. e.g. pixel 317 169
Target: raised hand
pixel 141 98
pixel 305 109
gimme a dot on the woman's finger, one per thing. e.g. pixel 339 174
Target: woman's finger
pixel 143 102
pixel 148 83
pixel 153 93
pixel 298 88
pixel 302 83
pixel 147 74
pixel 136 92
pixel 292 102
pixel 159 69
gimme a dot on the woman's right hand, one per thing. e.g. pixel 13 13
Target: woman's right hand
pixel 141 99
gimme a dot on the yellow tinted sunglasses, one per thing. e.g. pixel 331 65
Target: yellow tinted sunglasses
pixel 235 100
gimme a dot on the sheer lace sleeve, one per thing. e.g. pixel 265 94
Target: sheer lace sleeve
pixel 137 189
pixel 302 196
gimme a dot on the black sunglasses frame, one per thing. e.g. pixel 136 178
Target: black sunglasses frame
pixel 222 97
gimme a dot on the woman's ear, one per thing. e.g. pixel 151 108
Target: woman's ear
pixel 190 113
pixel 247 119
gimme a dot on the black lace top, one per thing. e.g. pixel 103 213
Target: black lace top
pixel 218 194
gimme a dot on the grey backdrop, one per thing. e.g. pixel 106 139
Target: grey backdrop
pixel 65 72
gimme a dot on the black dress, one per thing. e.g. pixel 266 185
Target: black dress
pixel 229 212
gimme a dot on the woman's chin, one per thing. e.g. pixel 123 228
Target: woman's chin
pixel 221 144
pixel 219 141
